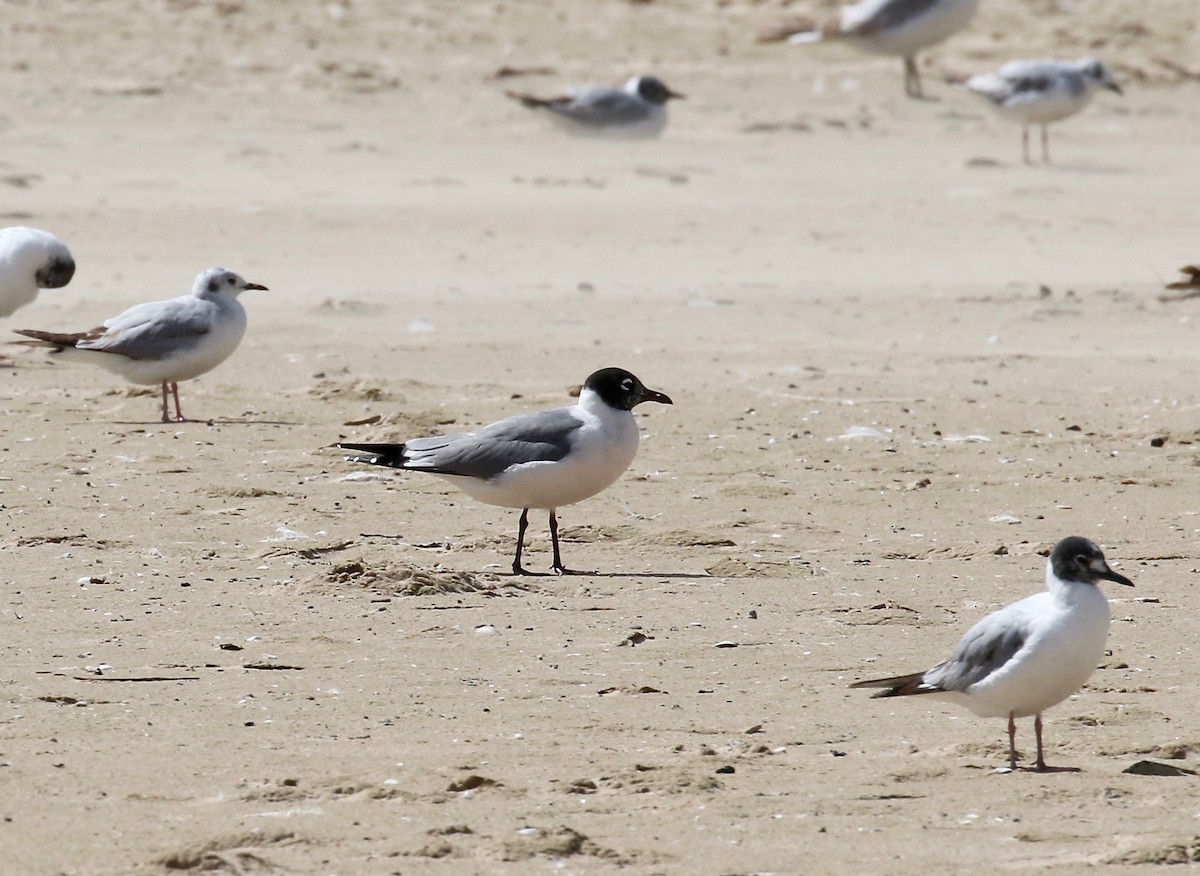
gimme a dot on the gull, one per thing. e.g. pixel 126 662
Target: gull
pixel 1188 286
pixel 888 27
pixel 1029 655
pixel 30 260
pixel 164 342
pixel 541 460
pixel 1041 92
pixel 638 110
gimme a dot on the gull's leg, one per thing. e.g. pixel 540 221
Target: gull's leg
pixel 912 77
pixel 558 565
pixel 1025 143
pixel 166 416
pixel 179 417
pixel 521 527
pixel 1012 742
pixel 1045 144
pixel 559 568
pixel 1037 729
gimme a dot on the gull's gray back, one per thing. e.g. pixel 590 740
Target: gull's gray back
pixel 156 329
pixel 1041 76
pixel 986 647
pixel 544 436
pixel 598 107
pixel 895 15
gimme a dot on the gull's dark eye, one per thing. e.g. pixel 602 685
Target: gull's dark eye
pixel 229 280
pixel 1081 559
pixel 627 385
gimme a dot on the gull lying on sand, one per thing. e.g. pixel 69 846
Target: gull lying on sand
pixel 639 110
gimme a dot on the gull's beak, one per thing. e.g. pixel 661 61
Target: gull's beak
pixel 655 396
pixel 256 286
pixel 1112 86
pixel 675 95
pixel 1101 570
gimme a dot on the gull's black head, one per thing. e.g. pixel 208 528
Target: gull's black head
pixel 56 273
pixel 1077 559
pixel 619 389
pixel 1097 71
pixel 652 90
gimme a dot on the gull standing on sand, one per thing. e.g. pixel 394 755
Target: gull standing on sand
pixel 1029 655
pixel 164 342
pixel 30 260
pixel 888 27
pixel 542 460
pixel 637 111
pixel 1041 92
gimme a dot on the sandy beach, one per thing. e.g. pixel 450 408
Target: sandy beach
pixel 904 364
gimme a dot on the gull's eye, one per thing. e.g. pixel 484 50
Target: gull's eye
pixel 627 385
pixel 1081 560
pixel 229 280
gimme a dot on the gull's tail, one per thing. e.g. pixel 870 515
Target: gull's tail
pixel 897 685
pixel 1190 281
pixel 390 455
pixel 58 340
pixel 532 101
pixel 795 30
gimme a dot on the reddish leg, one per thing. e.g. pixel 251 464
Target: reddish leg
pixel 1037 729
pixel 1012 742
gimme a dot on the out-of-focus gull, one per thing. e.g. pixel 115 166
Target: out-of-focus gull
pixel 639 110
pixel 1041 92
pixel 886 27
pixel 1029 655
pixel 545 459
pixel 164 342
pixel 1187 287
pixel 30 259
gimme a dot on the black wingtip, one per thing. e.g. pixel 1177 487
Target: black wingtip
pixel 390 455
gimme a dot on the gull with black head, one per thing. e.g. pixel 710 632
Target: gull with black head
pixel 636 111
pixel 1031 654
pixel 164 342
pixel 546 459
pixel 30 260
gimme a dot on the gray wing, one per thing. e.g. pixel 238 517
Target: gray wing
pixel 603 106
pixel 154 330
pixel 1040 76
pixel 895 15
pixel 986 647
pixel 544 436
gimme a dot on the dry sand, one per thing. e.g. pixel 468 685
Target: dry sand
pixel 221 655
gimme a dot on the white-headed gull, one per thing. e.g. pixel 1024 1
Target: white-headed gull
pixel 164 342
pixel 1041 92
